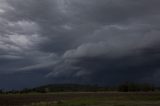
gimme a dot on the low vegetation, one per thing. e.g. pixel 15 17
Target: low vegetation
pixel 127 87
pixel 128 94
pixel 82 99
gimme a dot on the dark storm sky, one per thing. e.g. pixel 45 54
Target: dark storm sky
pixel 79 41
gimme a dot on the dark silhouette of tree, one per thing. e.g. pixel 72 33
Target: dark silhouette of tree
pixel 134 87
pixel 1 91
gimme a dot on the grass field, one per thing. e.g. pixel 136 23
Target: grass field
pixel 81 99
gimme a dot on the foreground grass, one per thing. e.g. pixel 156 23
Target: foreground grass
pixel 106 103
pixel 115 99
pixel 82 99
pixel 99 103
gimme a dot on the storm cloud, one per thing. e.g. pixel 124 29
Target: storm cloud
pixel 73 41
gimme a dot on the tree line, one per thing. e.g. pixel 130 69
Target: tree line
pixel 126 87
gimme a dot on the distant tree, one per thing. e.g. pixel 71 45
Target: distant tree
pixel 1 91
pixel 134 87
pixel 123 88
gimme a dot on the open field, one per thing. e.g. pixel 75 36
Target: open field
pixel 81 99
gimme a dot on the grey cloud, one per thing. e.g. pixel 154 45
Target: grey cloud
pixel 111 11
pixel 97 41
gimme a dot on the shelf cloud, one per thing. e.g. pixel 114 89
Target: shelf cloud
pixel 73 41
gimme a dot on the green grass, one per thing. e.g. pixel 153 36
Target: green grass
pixel 115 99
pixel 82 99
pixel 99 103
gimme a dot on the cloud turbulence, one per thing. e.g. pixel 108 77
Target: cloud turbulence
pixel 79 41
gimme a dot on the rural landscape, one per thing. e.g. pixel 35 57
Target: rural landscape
pixel 79 52
pixel 128 94
pixel 82 99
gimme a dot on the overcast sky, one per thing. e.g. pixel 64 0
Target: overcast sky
pixel 79 41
